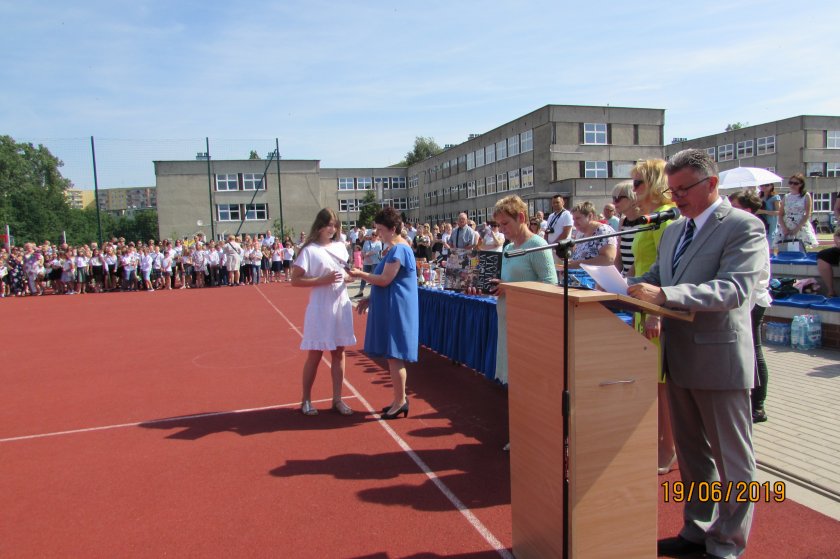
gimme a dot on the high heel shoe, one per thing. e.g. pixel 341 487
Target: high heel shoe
pixel 403 410
pixel 669 467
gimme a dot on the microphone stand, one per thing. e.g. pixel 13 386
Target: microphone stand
pixel 563 249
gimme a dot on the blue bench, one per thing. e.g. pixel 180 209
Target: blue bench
pixel 832 304
pixel 800 300
pixel 793 257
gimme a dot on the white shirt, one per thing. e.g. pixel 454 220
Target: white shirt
pixel 558 222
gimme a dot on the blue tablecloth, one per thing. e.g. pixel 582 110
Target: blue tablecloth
pixel 460 327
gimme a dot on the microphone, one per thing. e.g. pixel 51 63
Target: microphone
pixel 656 217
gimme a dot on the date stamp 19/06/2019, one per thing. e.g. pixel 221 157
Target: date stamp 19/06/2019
pixel 717 491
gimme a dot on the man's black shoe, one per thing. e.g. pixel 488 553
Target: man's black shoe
pixel 679 547
pixel 759 416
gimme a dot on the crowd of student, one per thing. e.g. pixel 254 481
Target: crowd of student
pixel 34 270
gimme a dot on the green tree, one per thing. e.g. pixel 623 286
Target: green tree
pixel 32 199
pixel 424 148
pixel 736 126
pixel 369 209
pixel 254 154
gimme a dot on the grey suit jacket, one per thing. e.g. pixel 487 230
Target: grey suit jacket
pixel 715 278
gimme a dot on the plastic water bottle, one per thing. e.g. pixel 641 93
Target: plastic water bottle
pixel 799 332
pixel 814 331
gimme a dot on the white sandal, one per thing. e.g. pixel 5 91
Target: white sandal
pixel 342 408
pixel 306 408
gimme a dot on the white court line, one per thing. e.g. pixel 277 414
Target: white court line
pixel 456 502
pixel 153 422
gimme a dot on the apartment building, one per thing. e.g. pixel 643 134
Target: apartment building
pixel 79 199
pixel 122 201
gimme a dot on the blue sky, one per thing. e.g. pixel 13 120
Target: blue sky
pixel 353 83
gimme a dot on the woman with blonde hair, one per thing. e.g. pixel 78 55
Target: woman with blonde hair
pixel 652 195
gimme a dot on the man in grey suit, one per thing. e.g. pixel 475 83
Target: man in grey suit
pixel 709 262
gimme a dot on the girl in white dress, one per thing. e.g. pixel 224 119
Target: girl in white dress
pixel 328 324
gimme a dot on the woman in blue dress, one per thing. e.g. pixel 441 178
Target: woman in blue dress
pixel 393 326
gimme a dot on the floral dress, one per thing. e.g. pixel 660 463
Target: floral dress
pixel 794 212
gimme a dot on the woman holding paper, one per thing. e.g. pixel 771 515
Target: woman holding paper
pixel 652 195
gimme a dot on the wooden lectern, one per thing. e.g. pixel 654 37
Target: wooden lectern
pixel 612 431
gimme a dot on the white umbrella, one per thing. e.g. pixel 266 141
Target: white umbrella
pixel 742 177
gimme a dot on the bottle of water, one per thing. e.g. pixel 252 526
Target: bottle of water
pixel 814 331
pixel 797 333
pixel 770 333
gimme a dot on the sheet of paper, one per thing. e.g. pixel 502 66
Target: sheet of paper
pixel 607 277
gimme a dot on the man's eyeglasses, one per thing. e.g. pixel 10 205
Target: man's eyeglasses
pixel 617 199
pixel 680 192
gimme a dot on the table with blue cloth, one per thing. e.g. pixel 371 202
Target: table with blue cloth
pixel 460 327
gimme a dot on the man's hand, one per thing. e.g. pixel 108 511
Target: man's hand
pixel 647 292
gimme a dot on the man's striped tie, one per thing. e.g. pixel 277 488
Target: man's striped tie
pixel 686 240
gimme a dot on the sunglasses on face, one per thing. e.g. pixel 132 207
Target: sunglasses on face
pixel 794 183
pixel 617 199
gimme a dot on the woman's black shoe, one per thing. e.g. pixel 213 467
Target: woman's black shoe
pixel 402 411
pixel 759 416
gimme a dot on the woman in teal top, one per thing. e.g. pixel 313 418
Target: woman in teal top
pixel 511 213
pixel 651 189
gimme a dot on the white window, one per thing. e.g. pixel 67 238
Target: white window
pixel 621 169
pixel 501 182
pixel 526 140
pixel 228 212
pixel 479 216
pixel 398 182
pixel 400 203
pixel 822 202
pixel 815 169
pixel 445 168
pixel 766 145
pixel 252 181
pixel 726 152
pixel 471 189
pixel 257 212
pixel 364 183
pixel 377 181
pixel 712 152
pixel 595 169
pixel 479 157
pixel 832 170
pixel 513 179
pixel 490 154
pixel 227 182
pixel 471 161
pixel 528 177
pixel 491 185
pixel 501 150
pixel 595 133
pixel 745 149
pixel 480 187
pixel 348 205
pixel 832 139
pixel 346 183
pixel 513 145
pixel 462 163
